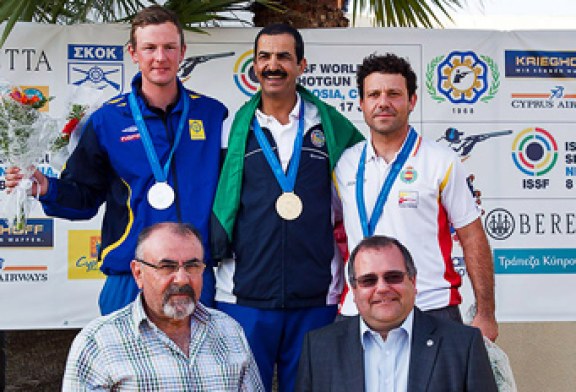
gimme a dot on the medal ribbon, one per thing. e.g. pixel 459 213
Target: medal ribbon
pixel 369 228
pixel 288 180
pixel 160 174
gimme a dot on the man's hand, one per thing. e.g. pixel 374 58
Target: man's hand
pixel 487 325
pixel 480 268
pixel 39 181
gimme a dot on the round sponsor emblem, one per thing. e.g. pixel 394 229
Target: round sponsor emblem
pixel 463 77
pixel 317 137
pixel 499 224
pixel 534 151
pixel 408 175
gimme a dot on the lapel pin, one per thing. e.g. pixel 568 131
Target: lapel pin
pixel 429 342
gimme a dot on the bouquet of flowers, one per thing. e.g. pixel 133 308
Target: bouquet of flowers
pixel 25 132
pixel 82 102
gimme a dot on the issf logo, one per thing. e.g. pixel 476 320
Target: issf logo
pixel 462 78
pixel 244 74
pixel 534 151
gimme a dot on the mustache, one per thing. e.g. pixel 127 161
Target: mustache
pixel 275 72
pixel 180 290
pixel 386 111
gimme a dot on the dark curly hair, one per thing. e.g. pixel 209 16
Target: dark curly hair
pixel 386 64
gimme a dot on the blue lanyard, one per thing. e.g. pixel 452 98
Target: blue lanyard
pixel 160 174
pixel 368 229
pixel 287 180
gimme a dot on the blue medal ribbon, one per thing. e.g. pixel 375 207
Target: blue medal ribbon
pixel 288 180
pixel 368 228
pixel 160 173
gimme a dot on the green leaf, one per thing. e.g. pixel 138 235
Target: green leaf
pixel 405 13
pixel 192 13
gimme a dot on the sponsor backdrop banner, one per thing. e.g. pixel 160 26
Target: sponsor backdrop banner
pixel 504 101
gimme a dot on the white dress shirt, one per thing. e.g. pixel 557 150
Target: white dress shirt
pixel 284 134
pixel 387 361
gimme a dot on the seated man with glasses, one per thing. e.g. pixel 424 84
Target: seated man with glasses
pixel 165 340
pixel 392 345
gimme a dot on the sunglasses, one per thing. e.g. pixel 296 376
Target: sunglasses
pixel 390 277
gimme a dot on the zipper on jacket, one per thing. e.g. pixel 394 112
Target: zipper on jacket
pixel 170 136
pixel 283 261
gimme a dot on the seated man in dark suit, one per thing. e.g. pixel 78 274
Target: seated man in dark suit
pixel 391 345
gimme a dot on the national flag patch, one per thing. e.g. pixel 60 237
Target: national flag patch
pixel 408 175
pixel 408 199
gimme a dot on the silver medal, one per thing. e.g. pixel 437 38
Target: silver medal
pixel 161 195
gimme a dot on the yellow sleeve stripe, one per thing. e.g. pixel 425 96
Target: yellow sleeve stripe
pixel 335 182
pixel 445 179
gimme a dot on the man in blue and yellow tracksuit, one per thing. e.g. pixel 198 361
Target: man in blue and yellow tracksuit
pixel 109 165
pixel 150 155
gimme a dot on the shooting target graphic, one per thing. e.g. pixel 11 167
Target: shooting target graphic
pixel 244 75
pixel 534 151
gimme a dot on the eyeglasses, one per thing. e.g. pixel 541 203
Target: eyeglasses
pixel 192 267
pixel 390 277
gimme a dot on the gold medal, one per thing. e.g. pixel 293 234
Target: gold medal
pixel 289 206
pixel 161 196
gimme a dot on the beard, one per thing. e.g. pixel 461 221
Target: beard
pixel 178 308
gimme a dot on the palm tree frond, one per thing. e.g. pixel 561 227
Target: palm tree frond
pixel 196 13
pixel 405 13
pixel 192 13
pixel 11 15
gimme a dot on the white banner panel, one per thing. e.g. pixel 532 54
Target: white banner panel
pixel 504 101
